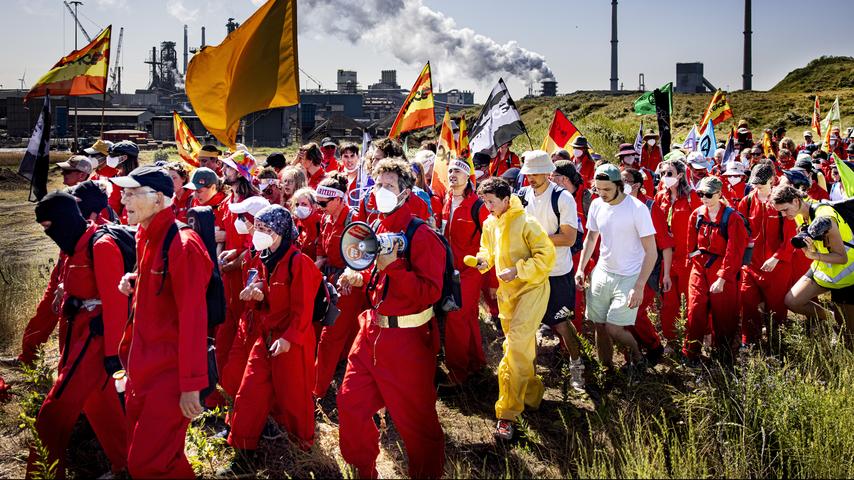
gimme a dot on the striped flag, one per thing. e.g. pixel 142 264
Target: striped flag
pixel 639 139
pixel 846 176
pixel 82 72
pixel 562 132
pixel 717 111
pixel 499 122
pixel 463 150
pixel 36 162
pixel 417 110
pixel 445 151
pixel 816 117
pixel 188 145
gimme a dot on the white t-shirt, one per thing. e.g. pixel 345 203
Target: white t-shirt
pixel 620 229
pixel 540 207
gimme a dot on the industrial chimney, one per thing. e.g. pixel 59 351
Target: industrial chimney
pixel 748 33
pixel 614 46
pixel 186 50
pixel 203 37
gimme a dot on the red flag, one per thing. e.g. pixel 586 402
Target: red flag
pixel 816 117
pixel 562 132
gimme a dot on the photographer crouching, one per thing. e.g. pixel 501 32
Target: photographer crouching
pixel 826 238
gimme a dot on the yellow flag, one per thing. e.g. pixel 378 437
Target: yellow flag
pixel 188 145
pixel 253 69
pixel 446 150
pixel 417 110
pixel 81 72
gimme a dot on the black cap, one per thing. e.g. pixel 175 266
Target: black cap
pixel 328 142
pixel 804 164
pixel 511 175
pixel 276 160
pixel 798 178
pixel 125 147
pixel 480 159
pixel 150 176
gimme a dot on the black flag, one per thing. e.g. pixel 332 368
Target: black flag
pixel 36 161
pixel 498 123
pixel 662 114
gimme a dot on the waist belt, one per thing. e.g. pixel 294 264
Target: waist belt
pixel 405 321
pixel 90 303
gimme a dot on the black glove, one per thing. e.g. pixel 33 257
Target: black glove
pixel 112 365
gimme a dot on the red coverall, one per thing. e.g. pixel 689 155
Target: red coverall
pixel 463 345
pixel 165 350
pixel 677 214
pixel 733 193
pixel 497 166
pixel 284 381
pixel 720 258
pixel 314 180
pixel 86 387
pixel 42 324
pixel 248 330
pixel 650 157
pixel 183 204
pixel 817 193
pixel 335 341
pixel 771 233
pixel 395 367
pixel 309 230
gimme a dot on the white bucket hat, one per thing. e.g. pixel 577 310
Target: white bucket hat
pixel 537 162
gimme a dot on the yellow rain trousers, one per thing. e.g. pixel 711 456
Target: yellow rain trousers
pixel 517 240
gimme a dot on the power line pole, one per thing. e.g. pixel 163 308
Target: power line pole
pixel 74 144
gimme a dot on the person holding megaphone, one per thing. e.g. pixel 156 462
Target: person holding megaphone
pixel 393 359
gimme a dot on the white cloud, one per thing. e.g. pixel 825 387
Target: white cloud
pixel 180 11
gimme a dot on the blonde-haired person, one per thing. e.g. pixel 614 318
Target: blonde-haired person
pixel 304 206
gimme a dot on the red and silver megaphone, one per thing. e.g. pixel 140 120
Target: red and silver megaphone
pixel 360 245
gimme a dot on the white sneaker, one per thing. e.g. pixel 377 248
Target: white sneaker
pixel 576 374
pixel 504 430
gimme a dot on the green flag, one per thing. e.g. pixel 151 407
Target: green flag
pixel 846 176
pixel 645 104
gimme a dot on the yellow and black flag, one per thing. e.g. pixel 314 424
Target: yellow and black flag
pixel 81 72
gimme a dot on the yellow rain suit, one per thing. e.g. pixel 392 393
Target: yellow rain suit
pixel 517 240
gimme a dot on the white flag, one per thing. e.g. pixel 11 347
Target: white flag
pixel 639 139
pixel 691 141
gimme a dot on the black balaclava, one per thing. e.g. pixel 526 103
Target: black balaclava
pixel 67 224
pixel 92 198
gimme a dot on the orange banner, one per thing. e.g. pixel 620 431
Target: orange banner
pixel 188 145
pixel 417 110
pixel 82 72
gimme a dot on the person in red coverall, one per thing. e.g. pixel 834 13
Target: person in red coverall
pixel 183 196
pixel 280 371
pixel 94 312
pixel 393 360
pixel 733 180
pixel 164 350
pixel 335 340
pixel 676 201
pixel 765 280
pixel 643 330
pixel 310 159
pixel 651 152
pixel 503 161
pixel 583 161
pixel 628 158
pixel 329 148
pixel 715 265
pixel 123 157
pixel 463 346
pixel 308 217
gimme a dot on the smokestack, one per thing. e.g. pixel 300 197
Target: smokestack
pixel 186 50
pixel 203 37
pixel 748 54
pixel 614 46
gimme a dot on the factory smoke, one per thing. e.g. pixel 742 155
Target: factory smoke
pixel 414 33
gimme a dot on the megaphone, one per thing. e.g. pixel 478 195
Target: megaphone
pixel 360 245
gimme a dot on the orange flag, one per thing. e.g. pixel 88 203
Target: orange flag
pixel 463 150
pixel 562 132
pixel 417 110
pixel 816 117
pixel 717 111
pixel 188 145
pixel 446 149
pixel 82 72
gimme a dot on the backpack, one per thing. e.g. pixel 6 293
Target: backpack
pixel 579 238
pixel 325 300
pixel 845 209
pixel 124 237
pixel 723 227
pixel 475 215
pixel 654 280
pixel 201 220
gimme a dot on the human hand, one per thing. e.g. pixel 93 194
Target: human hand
pixel 770 264
pixel 718 286
pixel 635 297
pixel 57 298
pixel 189 404
pixel 279 347
pixel 666 283
pixel 508 274
pixel 387 259
pixel 579 281
pixel 126 284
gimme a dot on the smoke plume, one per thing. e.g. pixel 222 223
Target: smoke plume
pixel 414 33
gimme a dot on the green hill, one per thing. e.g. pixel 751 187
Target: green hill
pixel 824 73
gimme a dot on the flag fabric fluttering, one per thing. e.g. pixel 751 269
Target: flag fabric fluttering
pixel 717 111
pixel 36 162
pixel 816 117
pixel 729 150
pixel 445 151
pixel 646 103
pixel 81 72
pixel 499 122
pixel 708 143
pixel 846 176
pixel 663 107
pixel 562 132
pixel 417 110
pixel 363 179
pixel 691 140
pixel 253 69
pixel 639 139
pixel 827 123
pixel 767 149
pixel 463 150
pixel 187 144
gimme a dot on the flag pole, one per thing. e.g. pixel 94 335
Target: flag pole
pixel 103 105
pixel 530 143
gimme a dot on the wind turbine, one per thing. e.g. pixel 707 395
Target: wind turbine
pixel 23 78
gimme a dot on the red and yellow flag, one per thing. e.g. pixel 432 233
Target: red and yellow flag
pixel 463 150
pixel 417 110
pixel 816 117
pixel 767 149
pixel 717 111
pixel 188 145
pixel 562 132
pixel 81 72
pixel 446 150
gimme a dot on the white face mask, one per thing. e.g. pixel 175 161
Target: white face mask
pixel 669 181
pixel 302 212
pixel 627 189
pixel 113 162
pixel 478 173
pixel 577 152
pixel 734 179
pixel 386 200
pixel 241 227
pixel 651 142
pixel 262 241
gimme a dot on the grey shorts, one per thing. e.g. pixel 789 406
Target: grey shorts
pixel 608 298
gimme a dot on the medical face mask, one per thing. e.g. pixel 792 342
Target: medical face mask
pixel 302 212
pixel 669 181
pixel 627 189
pixel 734 180
pixel 577 152
pixel 113 162
pixel 262 241
pixel 386 200
pixel 241 227
pixel 651 142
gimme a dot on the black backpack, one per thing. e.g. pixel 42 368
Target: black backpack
pixel 579 238
pixel 723 227
pixel 325 300
pixel 201 220
pixel 125 238
pixel 845 209
pixel 654 280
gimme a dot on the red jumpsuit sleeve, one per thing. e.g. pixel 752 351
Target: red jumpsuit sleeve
pixel 325 233
pixel 44 321
pixel 109 269
pixel 786 250
pixel 420 286
pixel 663 237
pixel 737 242
pixel 691 241
pixel 303 287
pixel 189 265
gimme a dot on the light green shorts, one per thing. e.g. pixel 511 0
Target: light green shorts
pixel 608 298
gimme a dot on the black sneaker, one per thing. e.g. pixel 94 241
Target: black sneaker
pixel 654 355
pixel 504 430
pixel 271 430
pixel 10 362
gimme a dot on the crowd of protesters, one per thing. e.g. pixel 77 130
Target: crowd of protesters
pixel 564 244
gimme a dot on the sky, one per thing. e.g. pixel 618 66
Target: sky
pixel 571 38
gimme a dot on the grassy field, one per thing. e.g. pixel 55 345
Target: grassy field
pixel 786 414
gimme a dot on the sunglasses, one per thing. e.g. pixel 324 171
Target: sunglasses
pixel 707 195
pixel 324 203
pixel 669 174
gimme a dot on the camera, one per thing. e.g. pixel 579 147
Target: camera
pixel 815 231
